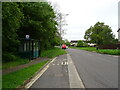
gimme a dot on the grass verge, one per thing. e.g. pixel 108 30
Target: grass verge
pixel 53 52
pixel 46 53
pixel 14 63
pixel 103 51
pixel 15 79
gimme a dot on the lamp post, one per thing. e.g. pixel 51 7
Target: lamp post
pixel 60 15
pixel 60 29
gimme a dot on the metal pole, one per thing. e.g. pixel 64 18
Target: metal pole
pixel 32 49
pixel 60 30
pixel 60 14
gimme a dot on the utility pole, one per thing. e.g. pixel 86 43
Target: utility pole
pixel 60 30
pixel 60 15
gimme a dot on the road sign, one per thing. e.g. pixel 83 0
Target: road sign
pixel 27 36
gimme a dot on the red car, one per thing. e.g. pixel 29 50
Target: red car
pixel 64 46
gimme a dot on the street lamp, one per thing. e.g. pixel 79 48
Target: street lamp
pixel 60 15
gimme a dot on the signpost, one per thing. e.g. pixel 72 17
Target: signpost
pixel 27 36
pixel 119 20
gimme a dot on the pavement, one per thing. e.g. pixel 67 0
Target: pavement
pixel 60 74
pixel 80 69
pixel 13 69
pixel 56 75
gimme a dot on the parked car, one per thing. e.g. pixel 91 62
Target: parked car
pixel 64 46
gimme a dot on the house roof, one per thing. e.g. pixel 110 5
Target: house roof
pixel 73 41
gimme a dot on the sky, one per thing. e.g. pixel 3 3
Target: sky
pixel 85 13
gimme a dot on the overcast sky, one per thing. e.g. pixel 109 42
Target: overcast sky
pixel 85 13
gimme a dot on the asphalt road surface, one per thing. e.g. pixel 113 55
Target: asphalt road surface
pixel 96 70
pixel 56 75
pixel 79 69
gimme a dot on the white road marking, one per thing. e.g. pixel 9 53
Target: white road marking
pixel 64 63
pixel 61 63
pixel 28 85
pixel 67 63
pixel 74 78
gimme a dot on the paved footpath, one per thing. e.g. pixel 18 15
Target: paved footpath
pixel 60 74
pixel 13 69
pixel 56 75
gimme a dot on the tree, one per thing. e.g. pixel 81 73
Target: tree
pixel 81 43
pixel 67 42
pixel 36 19
pixel 100 34
pixel 40 24
pixel 11 19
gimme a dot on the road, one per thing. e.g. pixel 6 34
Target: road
pixel 96 70
pixel 56 75
pixel 79 69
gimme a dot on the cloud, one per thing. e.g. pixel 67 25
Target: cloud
pixel 85 13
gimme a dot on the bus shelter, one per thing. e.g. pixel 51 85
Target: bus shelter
pixel 29 48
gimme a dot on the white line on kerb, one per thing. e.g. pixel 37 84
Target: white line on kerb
pixel 74 78
pixel 62 63
pixel 65 63
pixel 39 74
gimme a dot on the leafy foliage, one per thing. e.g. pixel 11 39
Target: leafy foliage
pixel 100 34
pixel 36 19
pixel 10 24
pixel 82 44
pixel 16 62
pixel 39 24
pixel 67 42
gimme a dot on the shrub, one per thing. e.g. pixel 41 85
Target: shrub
pixel 8 57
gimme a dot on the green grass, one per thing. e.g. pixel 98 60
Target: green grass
pixel 109 51
pixel 14 63
pixel 46 53
pixel 53 52
pixel 15 79
pixel 104 51
pixel 86 48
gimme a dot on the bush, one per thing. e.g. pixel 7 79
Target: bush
pixel 82 44
pixel 8 57
pixel 10 60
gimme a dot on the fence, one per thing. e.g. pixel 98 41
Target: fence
pixel 109 46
